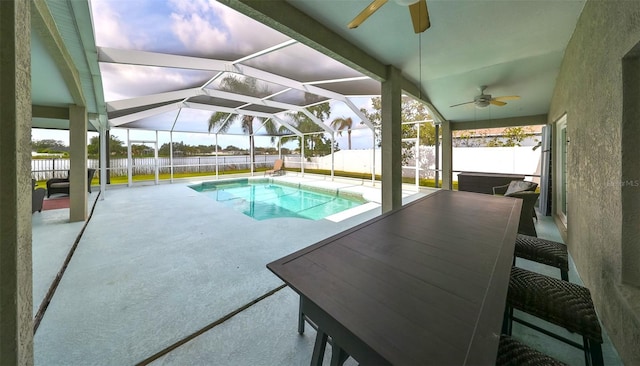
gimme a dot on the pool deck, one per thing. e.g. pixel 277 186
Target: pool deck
pixel 158 263
pixel 164 276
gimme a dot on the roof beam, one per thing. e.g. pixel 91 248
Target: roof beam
pixel 288 126
pixel 39 111
pixel 153 99
pixel 277 79
pixel 44 24
pixel 144 58
pixel 113 55
pixel 538 119
pixel 417 93
pixel 317 121
pixel 265 51
pixel 251 100
pixel 92 85
pixel 285 18
pixel 115 122
pixel 358 113
pixel 214 108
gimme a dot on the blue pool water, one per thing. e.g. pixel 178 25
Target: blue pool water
pixel 262 199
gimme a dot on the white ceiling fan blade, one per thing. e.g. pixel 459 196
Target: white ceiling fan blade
pixel 364 14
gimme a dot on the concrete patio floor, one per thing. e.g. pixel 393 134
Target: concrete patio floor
pixel 163 275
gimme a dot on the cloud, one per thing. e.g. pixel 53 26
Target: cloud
pixel 210 29
pixel 197 34
pixel 130 81
pixel 109 27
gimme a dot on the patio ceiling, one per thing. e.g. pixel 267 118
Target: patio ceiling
pixel 64 67
pixel 513 47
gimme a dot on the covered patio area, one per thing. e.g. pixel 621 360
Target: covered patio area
pixel 196 292
pixel 129 295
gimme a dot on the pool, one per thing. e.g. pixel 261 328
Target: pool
pixel 264 199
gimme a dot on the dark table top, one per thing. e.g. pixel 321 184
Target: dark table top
pixel 424 284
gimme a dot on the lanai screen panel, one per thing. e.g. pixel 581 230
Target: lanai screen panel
pixel 121 81
pixel 244 67
pixel 298 98
pixel 302 63
pixel 245 85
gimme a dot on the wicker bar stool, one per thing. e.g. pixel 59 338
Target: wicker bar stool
pixel 543 251
pixel 559 302
pixel 515 353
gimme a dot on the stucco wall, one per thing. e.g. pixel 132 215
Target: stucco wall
pixel 16 325
pixel 589 90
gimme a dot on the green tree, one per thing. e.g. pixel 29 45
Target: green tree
pixel 511 136
pixel 116 147
pixel 466 138
pixel 221 122
pixel 412 110
pixel 49 146
pixel 341 124
pixel 315 144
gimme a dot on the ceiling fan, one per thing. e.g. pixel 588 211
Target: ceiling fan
pixel 417 9
pixel 483 100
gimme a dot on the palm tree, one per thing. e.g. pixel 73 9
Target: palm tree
pixel 221 122
pixel 315 144
pixel 341 124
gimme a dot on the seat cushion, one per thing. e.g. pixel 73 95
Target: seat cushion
pixel 560 302
pixel 59 185
pixel 514 353
pixel 520 186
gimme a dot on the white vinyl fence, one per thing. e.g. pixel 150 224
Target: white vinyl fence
pixel 521 160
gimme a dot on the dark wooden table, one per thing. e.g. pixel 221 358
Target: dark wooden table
pixel 422 285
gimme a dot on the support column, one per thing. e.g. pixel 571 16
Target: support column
pixel 391 140
pixel 630 256
pixel 302 155
pixel 437 127
pixel 171 155
pixel 78 184
pixel 108 156
pixel 103 160
pixel 16 318
pixel 447 155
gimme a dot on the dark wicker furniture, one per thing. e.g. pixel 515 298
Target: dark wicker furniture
pixel 559 302
pixel 544 251
pixel 484 182
pixel 61 185
pixel 515 353
pixel 526 225
pixel 37 196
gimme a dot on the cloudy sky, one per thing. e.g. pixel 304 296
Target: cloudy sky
pixel 202 28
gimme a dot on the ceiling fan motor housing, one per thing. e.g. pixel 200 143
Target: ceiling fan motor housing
pixel 482 100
